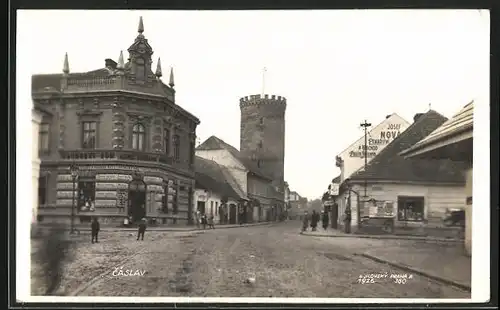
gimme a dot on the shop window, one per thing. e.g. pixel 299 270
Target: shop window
pixel 43 138
pixel 411 209
pixel 85 219
pixel 138 137
pixel 89 135
pixel 211 207
pixel 86 195
pixel 42 190
pixel 216 207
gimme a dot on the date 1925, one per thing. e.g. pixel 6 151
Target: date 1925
pixel 395 278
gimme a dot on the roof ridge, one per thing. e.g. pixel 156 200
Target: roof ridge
pixel 391 144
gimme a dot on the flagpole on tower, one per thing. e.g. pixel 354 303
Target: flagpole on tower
pixel 263 81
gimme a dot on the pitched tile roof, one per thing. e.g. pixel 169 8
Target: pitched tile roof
pixel 214 143
pixel 388 165
pixel 209 176
pixel 460 122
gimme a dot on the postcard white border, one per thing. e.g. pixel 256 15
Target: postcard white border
pixel 480 215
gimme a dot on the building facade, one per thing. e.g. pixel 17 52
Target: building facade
pixel 453 140
pixel 36 119
pixel 260 198
pixel 353 157
pixel 121 127
pixel 214 196
pixel 417 192
pixel 262 137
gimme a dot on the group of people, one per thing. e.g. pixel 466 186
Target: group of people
pixel 314 219
pixel 95 227
pixel 204 219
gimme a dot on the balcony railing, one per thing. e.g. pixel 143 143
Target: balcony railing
pixel 131 155
pixel 90 82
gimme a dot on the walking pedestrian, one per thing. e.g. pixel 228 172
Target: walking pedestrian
pixel 204 221
pixel 95 227
pixel 197 219
pixel 325 220
pixel 142 229
pixel 211 221
pixel 314 220
pixel 305 221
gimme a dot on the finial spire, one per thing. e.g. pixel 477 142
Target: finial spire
pixel 430 105
pixel 141 26
pixel 158 68
pixel 171 81
pixel 66 64
pixel 121 64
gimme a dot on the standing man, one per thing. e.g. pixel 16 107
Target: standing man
pixel 95 227
pixel 142 228
pixel 325 220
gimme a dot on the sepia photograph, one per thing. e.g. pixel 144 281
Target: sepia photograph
pixel 261 155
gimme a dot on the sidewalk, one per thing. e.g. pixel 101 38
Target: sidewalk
pixel 444 263
pixel 340 234
pixel 179 228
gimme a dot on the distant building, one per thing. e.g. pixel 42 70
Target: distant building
pixel 420 190
pixel 298 205
pixel 260 197
pixel 213 193
pixel 453 140
pixel 120 125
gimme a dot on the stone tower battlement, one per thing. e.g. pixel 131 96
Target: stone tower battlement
pixel 259 100
pixel 262 134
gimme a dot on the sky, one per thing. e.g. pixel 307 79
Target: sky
pixel 336 68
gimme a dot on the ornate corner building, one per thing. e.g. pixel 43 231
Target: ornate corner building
pixel 120 126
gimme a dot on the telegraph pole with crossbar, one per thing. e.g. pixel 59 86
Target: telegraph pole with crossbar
pixel 365 126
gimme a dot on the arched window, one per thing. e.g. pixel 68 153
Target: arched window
pixel 138 137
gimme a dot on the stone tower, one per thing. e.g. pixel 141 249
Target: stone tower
pixel 262 134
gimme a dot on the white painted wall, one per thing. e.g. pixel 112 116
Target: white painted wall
pixel 210 198
pixel 378 138
pixel 36 119
pixel 436 198
pixel 235 167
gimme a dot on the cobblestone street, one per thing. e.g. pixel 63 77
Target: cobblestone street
pixel 217 263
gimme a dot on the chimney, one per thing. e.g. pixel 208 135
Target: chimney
pixel 417 116
pixel 110 64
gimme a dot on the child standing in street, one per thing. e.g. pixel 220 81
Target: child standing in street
pixel 95 227
pixel 142 229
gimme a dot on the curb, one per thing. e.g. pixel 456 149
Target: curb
pixel 180 229
pixel 420 272
pixel 388 237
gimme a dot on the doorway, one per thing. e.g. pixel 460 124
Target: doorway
pixel 137 200
pixel 232 214
pixel 335 216
pixel 201 207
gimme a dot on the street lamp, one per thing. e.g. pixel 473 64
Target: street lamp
pixel 74 175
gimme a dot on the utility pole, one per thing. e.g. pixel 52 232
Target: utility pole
pixel 365 125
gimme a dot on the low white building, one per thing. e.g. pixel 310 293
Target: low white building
pixel 259 200
pixel 418 191
pixel 453 140
pixel 213 193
